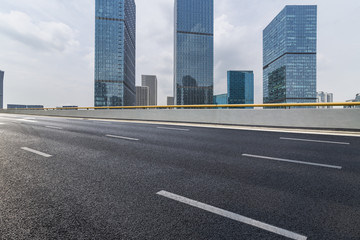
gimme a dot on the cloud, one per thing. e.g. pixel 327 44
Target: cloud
pixel 90 58
pixel 40 35
pixel 155 37
pixel 235 49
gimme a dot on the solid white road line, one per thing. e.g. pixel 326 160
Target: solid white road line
pixel 121 137
pixel 310 140
pixel 176 129
pixel 98 121
pixel 292 161
pixel 36 152
pixel 249 128
pixel 52 127
pixel 26 120
pixel 233 216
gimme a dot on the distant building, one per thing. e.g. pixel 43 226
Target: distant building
pixel 21 106
pixel 1 89
pixel 357 99
pixel 71 107
pixel 289 56
pixel 170 101
pixel 221 99
pixel 14 106
pixel 194 52
pixel 240 87
pixel 34 106
pixel 115 34
pixel 151 82
pixel 324 97
pixel 142 96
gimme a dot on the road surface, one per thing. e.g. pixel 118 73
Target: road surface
pixel 64 178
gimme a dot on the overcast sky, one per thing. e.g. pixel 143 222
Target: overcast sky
pixel 47 46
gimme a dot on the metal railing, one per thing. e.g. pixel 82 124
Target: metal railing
pixel 232 106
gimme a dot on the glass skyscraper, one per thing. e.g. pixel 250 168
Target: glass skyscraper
pixel 240 87
pixel 289 56
pixel 115 53
pixel 194 52
pixel 220 99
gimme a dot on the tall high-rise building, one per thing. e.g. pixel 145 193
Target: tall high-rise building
pixel 194 52
pixel 115 53
pixel 1 89
pixel 240 87
pixel 142 96
pixel 324 97
pixel 151 82
pixel 289 56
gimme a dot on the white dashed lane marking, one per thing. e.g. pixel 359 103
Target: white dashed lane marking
pixel 53 127
pixel 292 161
pixel 175 129
pixel 36 152
pixel 316 141
pixel 121 137
pixel 233 216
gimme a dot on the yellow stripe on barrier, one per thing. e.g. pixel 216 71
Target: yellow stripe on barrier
pixel 273 105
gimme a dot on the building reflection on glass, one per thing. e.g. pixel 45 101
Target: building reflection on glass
pixel 115 53
pixel 194 52
pixel 289 56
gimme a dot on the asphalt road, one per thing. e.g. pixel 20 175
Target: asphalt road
pixel 88 179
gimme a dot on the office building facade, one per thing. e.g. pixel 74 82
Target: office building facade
pixel 115 53
pixel 220 99
pixel 170 101
pixel 142 96
pixel 1 89
pixel 240 87
pixel 151 82
pixel 289 56
pixel 194 52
